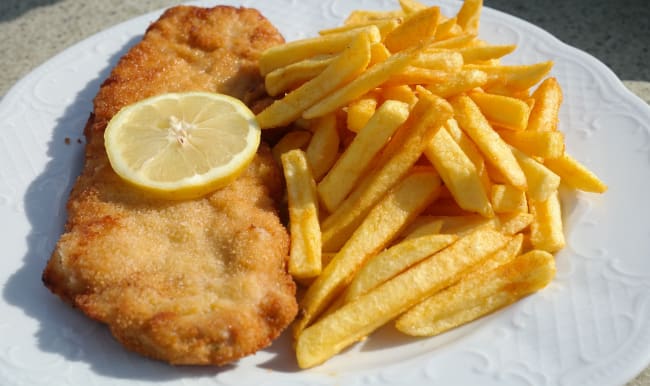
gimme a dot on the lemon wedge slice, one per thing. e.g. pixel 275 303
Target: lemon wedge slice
pixel 182 145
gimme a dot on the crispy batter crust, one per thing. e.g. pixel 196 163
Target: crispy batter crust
pixel 190 282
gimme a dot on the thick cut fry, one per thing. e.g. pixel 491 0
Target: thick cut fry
pixel 323 148
pixel 548 98
pixel 295 74
pixel 458 173
pixel 502 111
pixel 423 226
pixel 575 175
pixel 479 295
pixel 516 78
pixel 542 182
pixel 368 80
pixel 401 205
pixel 458 82
pixel 402 93
pixel 417 28
pixel 292 52
pixel 496 151
pixel 482 53
pixel 297 139
pixel 399 156
pixel 394 260
pixel 305 254
pixel 360 111
pixel 545 144
pixel 355 320
pixel 352 61
pixel 357 157
pixel 469 15
pixel 546 230
pixel 507 199
pixel 448 61
pixel 384 25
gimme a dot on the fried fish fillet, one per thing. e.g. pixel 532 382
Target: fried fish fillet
pixel 188 282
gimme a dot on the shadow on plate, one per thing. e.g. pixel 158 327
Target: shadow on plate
pixel 64 330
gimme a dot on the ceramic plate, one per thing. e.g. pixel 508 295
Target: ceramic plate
pixel 591 326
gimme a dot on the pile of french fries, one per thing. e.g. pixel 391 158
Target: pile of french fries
pixel 422 174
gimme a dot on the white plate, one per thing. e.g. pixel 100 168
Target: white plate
pixel 591 326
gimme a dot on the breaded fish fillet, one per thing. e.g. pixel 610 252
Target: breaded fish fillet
pixel 188 282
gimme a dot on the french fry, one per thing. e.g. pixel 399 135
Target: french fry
pixel 347 170
pixel 360 111
pixel 411 6
pixel 542 182
pixel 401 205
pixel 575 175
pixel 546 230
pixel 292 52
pixel 423 226
pixel 297 139
pixel 402 93
pixel 352 61
pixel 470 149
pixel 292 76
pixel 365 16
pixel 448 61
pixel 517 77
pixel 458 173
pixel 497 152
pixel 544 115
pixel 446 206
pixel 400 155
pixel 469 15
pixel 394 260
pixel 418 27
pixel 378 53
pixel 479 295
pixel 545 144
pixel 457 41
pixel 447 29
pixel 515 222
pixel 458 82
pixel 502 111
pixel 482 53
pixel 463 225
pixel 305 253
pixel 322 150
pixel 366 81
pixel 355 320
pixel 384 25
pixel 507 199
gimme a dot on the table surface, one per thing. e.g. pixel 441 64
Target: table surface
pixel 616 32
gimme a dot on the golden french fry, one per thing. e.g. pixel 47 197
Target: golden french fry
pixel 545 144
pixel 496 151
pixel 447 29
pixel 401 205
pixel 378 53
pixel 458 82
pixel 402 93
pixel 575 175
pixel 323 148
pixel 360 112
pixel 411 6
pixel 502 111
pixel 458 173
pixel 364 16
pixel 542 182
pixel 482 53
pixel 412 75
pixel 368 80
pixel 341 70
pixel 399 156
pixel 546 230
pixel 384 25
pixel 292 52
pixel 544 115
pixel 347 170
pixel 515 222
pixel 355 320
pixel 297 139
pixel 478 295
pixel 469 15
pixel 394 260
pixel 305 253
pixel 507 199
pixel 463 225
pixel 423 226
pixel 517 77
pixel 455 41
pixel 292 76
pixel 448 61
pixel 418 27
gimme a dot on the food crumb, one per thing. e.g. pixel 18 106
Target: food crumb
pixel 67 140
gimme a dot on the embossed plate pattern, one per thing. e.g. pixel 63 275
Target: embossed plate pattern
pixel 591 326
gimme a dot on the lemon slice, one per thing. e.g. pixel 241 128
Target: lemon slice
pixel 182 145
